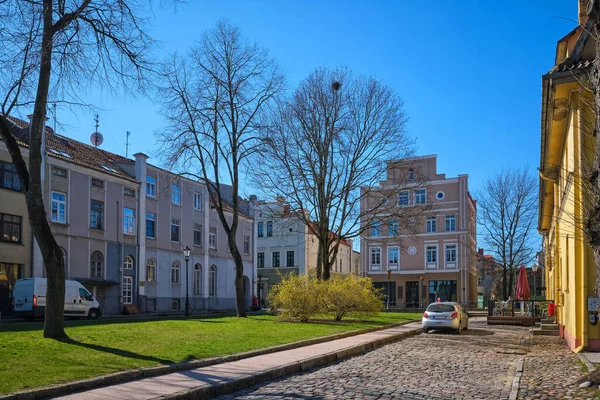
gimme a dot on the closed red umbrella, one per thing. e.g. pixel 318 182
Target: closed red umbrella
pixel 523 291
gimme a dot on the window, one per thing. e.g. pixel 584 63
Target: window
pixel 174 230
pixel 375 228
pixel 393 257
pixel 127 289
pixel 261 226
pixel 440 195
pixel 420 196
pixel 450 223
pixel 59 172
pixel 246 244
pixel 150 225
pixel 128 262
pixel 212 281
pixel 97 183
pixel 129 192
pixel 275 259
pixel 269 228
pixel 480 280
pixel 175 272
pixel 393 227
pixel 451 253
pixel 150 186
pixel 59 205
pixel 151 270
pixel 96 265
pixel 376 259
pixel 431 224
pixel 403 198
pixel 197 235
pixel 176 195
pixel 290 258
pixel 129 221
pixel 431 254
pixel 175 305
pixel 96 214
pixel 411 174
pixel 260 260
pixel 9 179
pixel 197 201
pixel 197 280
pixel 212 237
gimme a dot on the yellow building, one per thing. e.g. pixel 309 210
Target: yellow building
pixel 567 146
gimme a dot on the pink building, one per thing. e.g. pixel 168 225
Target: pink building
pixel 439 258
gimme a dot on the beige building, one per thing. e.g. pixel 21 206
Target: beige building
pixel 439 259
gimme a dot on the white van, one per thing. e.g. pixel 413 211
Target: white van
pixel 29 299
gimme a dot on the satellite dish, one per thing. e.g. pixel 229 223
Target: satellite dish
pixel 96 139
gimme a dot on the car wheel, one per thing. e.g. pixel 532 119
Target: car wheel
pixel 425 330
pixel 93 314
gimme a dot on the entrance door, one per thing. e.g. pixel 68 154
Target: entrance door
pixel 412 294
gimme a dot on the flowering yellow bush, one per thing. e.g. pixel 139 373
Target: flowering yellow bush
pixel 303 297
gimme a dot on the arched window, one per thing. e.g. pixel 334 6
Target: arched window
pixel 65 264
pixel 212 281
pixel 128 262
pixel 175 272
pixel 197 279
pixel 151 270
pixel 97 261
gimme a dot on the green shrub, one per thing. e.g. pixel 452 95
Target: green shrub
pixel 351 295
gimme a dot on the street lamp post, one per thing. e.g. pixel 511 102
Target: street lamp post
pixel 186 254
pixel 389 274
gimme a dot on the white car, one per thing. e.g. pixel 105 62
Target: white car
pixel 445 315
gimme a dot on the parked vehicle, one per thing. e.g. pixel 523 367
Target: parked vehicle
pixel 445 315
pixel 29 299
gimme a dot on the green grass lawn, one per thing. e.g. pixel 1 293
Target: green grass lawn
pixel 27 360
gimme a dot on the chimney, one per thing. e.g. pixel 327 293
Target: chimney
pixel 582 16
pixel 286 209
pixel 480 251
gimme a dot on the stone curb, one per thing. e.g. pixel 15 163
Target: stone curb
pixel 588 364
pixel 517 379
pixel 212 390
pixel 149 372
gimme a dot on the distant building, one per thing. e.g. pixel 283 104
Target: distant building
pixel 439 261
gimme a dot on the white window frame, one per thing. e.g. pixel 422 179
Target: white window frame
pixel 128 263
pixel 418 193
pixel 127 289
pixel 212 237
pixel 175 194
pixel 96 265
pixel 402 194
pixel 212 281
pixel 175 272
pixel 429 264
pixel 246 244
pixel 128 221
pixel 373 266
pixel 480 280
pixel 59 203
pixel 197 201
pixel 452 220
pixel 151 266
pixel 393 223
pixel 431 224
pixel 199 226
pixel 448 263
pixel 151 186
pixel 153 219
pixel 394 266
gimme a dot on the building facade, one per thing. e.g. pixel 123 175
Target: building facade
pixel 439 259
pixel 122 225
pixel 567 149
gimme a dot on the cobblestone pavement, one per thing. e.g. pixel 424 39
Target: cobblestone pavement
pixel 478 364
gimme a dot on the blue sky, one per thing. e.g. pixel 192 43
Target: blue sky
pixel 469 71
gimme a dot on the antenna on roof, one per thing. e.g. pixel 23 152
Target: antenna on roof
pixel 127 144
pixel 96 137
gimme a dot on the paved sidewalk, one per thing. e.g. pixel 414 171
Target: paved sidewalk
pixel 222 378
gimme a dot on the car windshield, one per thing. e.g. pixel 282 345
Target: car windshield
pixel 440 308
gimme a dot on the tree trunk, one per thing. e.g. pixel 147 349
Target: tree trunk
pixel 504 282
pixel 326 262
pixel 319 262
pixel 240 298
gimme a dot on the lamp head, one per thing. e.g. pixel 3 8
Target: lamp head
pixel 186 253
pixel 535 268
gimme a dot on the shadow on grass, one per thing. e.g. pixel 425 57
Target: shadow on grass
pixel 117 352
pixel 21 326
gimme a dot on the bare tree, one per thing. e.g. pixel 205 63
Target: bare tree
pixel 211 101
pixel 326 149
pixel 507 209
pixel 51 48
